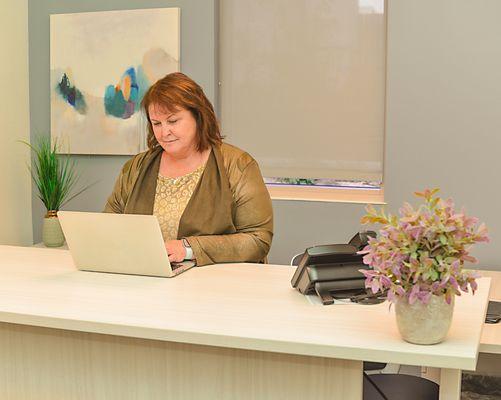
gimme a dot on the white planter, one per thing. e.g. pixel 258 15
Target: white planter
pixel 52 235
pixel 424 323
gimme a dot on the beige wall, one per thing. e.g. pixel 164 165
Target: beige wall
pixel 15 185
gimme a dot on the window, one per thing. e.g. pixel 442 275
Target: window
pixel 303 89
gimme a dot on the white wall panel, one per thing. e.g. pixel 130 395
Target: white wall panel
pixel 15 184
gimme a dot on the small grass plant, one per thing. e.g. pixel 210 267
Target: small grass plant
pixel 54 174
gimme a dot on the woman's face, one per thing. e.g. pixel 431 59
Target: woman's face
pixel 175 131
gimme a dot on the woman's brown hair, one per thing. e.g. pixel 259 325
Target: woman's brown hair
pixel 178 90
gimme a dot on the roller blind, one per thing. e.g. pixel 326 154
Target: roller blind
pixel 302 85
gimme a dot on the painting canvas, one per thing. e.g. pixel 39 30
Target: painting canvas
pixel 101 64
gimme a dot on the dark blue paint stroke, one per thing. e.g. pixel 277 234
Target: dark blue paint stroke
pixel 71 95
pixel 143 84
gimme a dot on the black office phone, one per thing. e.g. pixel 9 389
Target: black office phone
pixel 332 271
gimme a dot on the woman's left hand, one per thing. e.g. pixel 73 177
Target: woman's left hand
pixel 175 250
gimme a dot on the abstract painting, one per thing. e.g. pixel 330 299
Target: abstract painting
pixel 101 64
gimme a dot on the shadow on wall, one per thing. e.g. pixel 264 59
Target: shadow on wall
pixel 301 224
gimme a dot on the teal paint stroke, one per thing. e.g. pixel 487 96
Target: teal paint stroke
pixel 115 103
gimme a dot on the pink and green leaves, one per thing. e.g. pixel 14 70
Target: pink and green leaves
pixel 423 251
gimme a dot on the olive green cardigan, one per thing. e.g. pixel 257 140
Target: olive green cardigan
pixel 229 217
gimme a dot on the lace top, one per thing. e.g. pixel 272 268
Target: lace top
pixel 171 197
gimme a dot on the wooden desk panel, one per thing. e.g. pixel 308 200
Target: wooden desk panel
pixel 48 364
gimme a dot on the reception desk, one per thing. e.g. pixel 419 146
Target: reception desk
pixel 490 342
pixel 231 331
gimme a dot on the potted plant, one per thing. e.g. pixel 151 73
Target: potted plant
pixel 418 258
pixel 55 178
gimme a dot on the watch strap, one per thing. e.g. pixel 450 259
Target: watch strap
pixel 189 250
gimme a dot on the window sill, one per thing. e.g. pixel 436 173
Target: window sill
pixel 326 194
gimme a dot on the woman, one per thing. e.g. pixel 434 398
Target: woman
pixel 208 196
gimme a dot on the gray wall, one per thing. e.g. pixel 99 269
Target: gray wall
pixel 443 123
pixel 443 114
pixel 444 107
pixel 198 60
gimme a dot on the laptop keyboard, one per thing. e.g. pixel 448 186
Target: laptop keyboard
pixel 175 266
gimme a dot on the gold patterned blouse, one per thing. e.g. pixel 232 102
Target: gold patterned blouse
pixel 171 197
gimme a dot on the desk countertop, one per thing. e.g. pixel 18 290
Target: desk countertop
pixel 246 306
pixel 491 333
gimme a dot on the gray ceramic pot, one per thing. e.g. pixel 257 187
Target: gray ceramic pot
pixel 424 323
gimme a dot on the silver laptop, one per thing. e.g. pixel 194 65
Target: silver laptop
pixel 118 243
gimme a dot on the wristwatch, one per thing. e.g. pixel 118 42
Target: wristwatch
pixel 189 250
